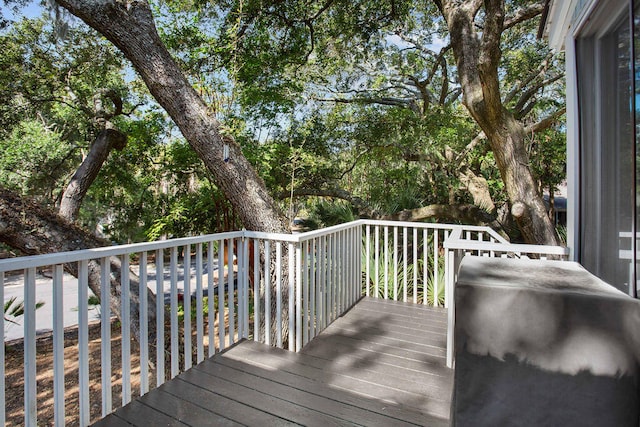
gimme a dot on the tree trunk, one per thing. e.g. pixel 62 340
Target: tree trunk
pixel 88 171
pixel 477 57
pixel 34 230
pixel 129 25
pixel 469 214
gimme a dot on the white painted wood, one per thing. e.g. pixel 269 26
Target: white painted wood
pixel 58 346
pixel 395 263
pixel 21 263
pixel 337 256
pixel 279 295
pixel 415 265
pixel 267 292
pixel 29 318
pixel 340 250
pixel 349 264
pixel 231 300
pixel 404 265
pixel 329 280
pixel 386 262
pixel 200 304
pixel 352 267
pixel 450 309
pixel 304 279
pixel 83 342
pixel 240 289
pixel 125 345
pixel 347 270
pixel 333 270
pixel 105 335
pixel 256 290
pixel 292 294
pixel 314 289
pixel 173 301
pixel 322 283
pixel 144 325
pixel 425 263
pixel 221 304
pixel 359 259
pixel 436 266
pixel 474 246
pixel 367 258
pixel 377 262
pixel 573 147
pixel 299 327
pixel 245 293
pixel 186 301
pixel 211 294
pixel 239 282
pixel 160 377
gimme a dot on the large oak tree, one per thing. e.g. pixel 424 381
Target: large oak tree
pixel 477 50
pixel 130 26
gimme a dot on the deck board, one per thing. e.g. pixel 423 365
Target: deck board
pixel 382 363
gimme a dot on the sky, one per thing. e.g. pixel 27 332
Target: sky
pixel 32 10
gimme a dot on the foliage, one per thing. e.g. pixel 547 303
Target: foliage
pixel 14 309
pixel 325 214
pixel 356 101
pixel 394 284
pixel 33 158
pixel 440 282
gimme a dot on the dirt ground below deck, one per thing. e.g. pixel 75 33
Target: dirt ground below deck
pixel 14 376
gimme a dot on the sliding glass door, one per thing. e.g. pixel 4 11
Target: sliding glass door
pixel 607 87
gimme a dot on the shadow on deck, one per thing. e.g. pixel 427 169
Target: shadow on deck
pixel 382 363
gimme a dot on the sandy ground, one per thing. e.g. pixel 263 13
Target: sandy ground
pixel 14 376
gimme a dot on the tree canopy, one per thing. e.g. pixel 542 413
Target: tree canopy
pixel 359 104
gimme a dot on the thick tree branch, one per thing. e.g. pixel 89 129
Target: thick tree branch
pixel 395 102
pixel 545 123
pixel 34 230
pixel 131 28
pixel 526 96
pixel 88 171
pixel 524 14
pixel 477 62
pixel 469 147
pixel 541 69
pixel 468 214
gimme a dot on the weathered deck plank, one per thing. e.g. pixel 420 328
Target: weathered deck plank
pixel 382 363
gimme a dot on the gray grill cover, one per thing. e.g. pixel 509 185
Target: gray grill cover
pixel 543 343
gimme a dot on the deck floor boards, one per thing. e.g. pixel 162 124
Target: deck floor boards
pixel 381 364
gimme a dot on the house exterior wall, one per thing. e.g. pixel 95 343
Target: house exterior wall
pixel 597 37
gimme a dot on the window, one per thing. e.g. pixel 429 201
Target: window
pixel 608 173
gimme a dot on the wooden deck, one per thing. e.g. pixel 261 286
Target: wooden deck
pixel 381 364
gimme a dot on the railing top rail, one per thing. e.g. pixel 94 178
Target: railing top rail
pixel 301 237
pixel 386 223
pixel 481 228
pixel 119 250
pixel 474 245
pixel 21 263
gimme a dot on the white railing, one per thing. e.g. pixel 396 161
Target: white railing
pixel 315 277
pixel 279 289
pixel 405 261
